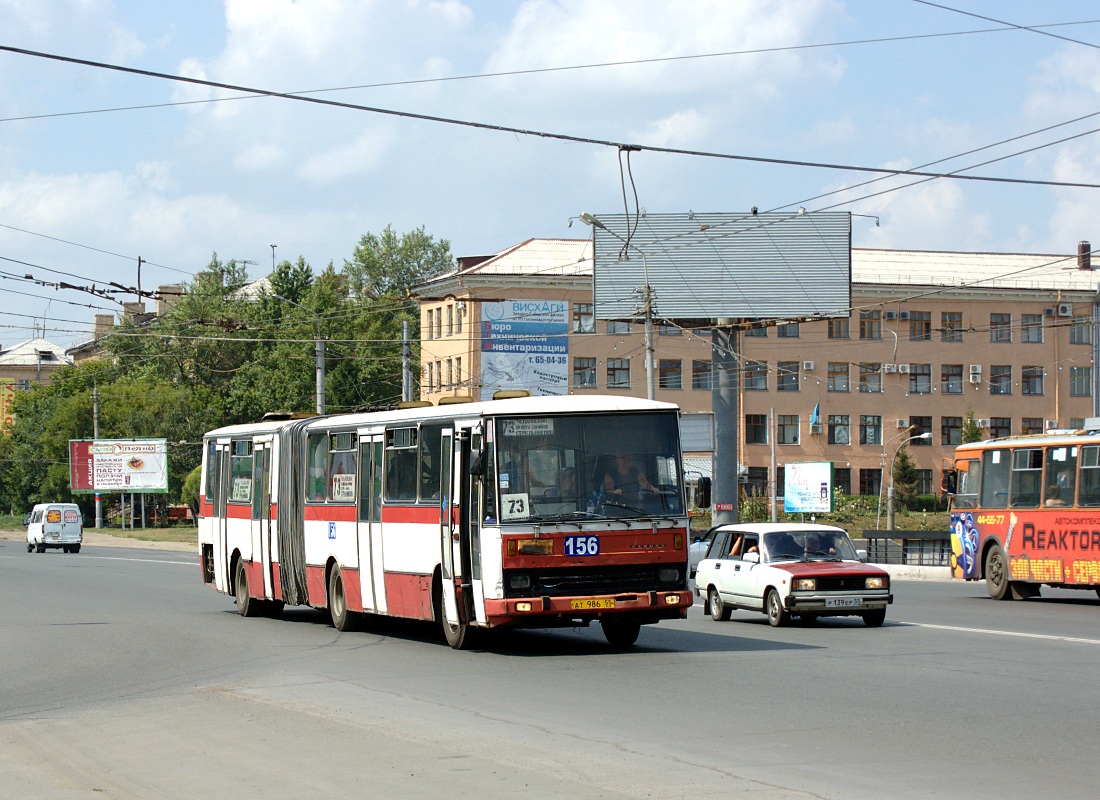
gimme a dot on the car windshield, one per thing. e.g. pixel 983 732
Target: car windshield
pixel 808 546
pixel 572 467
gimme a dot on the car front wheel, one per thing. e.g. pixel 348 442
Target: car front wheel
pixel 777 615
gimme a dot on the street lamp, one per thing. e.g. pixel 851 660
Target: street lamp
pixel 319 350
pixel 924 437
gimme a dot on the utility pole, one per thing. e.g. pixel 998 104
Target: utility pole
pixel 406 362
pixel 95 435
pixel 724 484
pixel 647 306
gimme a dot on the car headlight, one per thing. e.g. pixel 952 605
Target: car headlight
pixel 877 583
pixel 804 584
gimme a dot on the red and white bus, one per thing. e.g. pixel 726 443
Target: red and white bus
pixel 1025 511
pixel 475 515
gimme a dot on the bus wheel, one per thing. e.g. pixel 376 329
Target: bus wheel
pixel 777 615
pixel 342 619
pixel 458 636
pixel 274 608
pixel 719 611
pixel 996 574
pixel 246 605
pixel 620 633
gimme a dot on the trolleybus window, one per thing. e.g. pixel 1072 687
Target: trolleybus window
pixel 240 472
pixel 318 462
pixel 401 464
pixel 969 479
pixel 1027 476
pixel 431 438
pixel 1089 492
pixel 342 468
pixel 1061 476
pixel 995 474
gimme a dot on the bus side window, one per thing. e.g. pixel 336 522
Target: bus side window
pixel 1027 475
pixel 1088 493
pixel 968 480
pixel 996 470
pixel 1061 476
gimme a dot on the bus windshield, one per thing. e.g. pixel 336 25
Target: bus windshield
pixel 571 467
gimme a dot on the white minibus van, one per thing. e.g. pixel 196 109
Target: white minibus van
pixel 55 525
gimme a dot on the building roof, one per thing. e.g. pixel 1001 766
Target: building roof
pixel 573 257
pixel 29 354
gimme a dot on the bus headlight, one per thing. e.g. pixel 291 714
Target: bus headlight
pixel 804 584
pixel 668 575
pixel 877 583
pixel 519 581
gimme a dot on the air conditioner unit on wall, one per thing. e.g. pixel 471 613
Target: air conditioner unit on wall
pixel 975 377
pixel 815 428
pixel 1065 309
pixel 903 315
pixel 902 422
pixel 982 423
pixel 1050 424
pixel 807 366
pixel 889 367
pixel 975 369
pixel 889 314
pixel 1048 311
pixel 903 369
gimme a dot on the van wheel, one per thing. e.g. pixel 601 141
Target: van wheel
pixel 40 547
pixel 75 548
pixel 30 549
pixel 64 548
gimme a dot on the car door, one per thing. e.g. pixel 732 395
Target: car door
pixel 754 576
pixel 742 574
pixel 709 567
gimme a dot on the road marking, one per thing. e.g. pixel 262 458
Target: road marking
pixel 958 629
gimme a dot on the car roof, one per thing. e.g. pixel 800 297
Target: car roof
pixel 773 527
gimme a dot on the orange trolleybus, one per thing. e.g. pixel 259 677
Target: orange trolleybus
pixel 1026 511
pixel 474 515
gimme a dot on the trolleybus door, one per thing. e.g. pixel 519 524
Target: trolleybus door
pixel 221 496
pixel 449 539
pixel 261 512
pixel 371 575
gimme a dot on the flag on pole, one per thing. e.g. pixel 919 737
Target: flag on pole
pixel 815 415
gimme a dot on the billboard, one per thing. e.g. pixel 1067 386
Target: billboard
pixel 525 345
pixel 118 465
pixel 7 394
pixel 808 487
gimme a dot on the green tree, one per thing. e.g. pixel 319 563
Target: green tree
pixel 970 430
pixel 389 264
pixel 905 478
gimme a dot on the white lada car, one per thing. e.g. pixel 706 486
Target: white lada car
pixel 790 570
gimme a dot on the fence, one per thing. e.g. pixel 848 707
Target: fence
pixel 916 548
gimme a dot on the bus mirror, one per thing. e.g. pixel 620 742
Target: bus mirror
pixel 477 468
pixel 702 493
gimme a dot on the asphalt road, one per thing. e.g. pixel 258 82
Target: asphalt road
pixel 121 676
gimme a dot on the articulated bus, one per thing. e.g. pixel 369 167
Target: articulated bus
pixel 473 515
pixel 1025 511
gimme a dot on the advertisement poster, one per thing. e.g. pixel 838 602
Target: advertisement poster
pixel 808 487
pixel 525 345
pixel 7 394
pixel 118 465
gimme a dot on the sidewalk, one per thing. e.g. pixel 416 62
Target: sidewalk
pixel 906 572
pixel 97 539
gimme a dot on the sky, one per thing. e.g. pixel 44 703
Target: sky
pixel 100 167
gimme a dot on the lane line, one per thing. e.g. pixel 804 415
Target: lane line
pixel 990 632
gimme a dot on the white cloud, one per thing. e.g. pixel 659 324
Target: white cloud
pixel 256 157
pixel 676 130
pixel 348 160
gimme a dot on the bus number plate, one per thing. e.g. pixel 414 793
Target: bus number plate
pixel 582 545
pixel 592 602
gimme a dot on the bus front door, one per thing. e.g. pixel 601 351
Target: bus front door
pixel 261 514
pixel 222 580
pixel 371 575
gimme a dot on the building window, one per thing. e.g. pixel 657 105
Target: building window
pixel 920 378
pixel 668 329
pixel 870 379
pixel 428 324
pixel 842 480
pixel 429 377
pixel 669 374
pixel 924 481
pixel 618 373
pixel 869 482
pixel 1000 327
pixel 838 328
pixel 701 375
pixel 1000 427
pixel 1000 379
pixel 921 425
pixel 951 430
pixel 839 429
pixel 1076 423
pixel 449 382
pixel 780 481
pixel 951 378
pixel 1080 382
pixel 952 326
pixel 584 372
pixel 458 371
pixel 618 326
pixel 450 328
pixel 460 312
pixel 786 376
pixel 870 429
pixel 1031 328
pixel 1031 380
pixel 757 481
pixel 787 431
pixel 759 332
pixel 1031 425
pixel 439 323
pixel 583 321
pixel 756 376
pixel 787 331
pixel 1080 330
pixel 756 429
pixel 838 376
pixel 870 324
pixel 920 326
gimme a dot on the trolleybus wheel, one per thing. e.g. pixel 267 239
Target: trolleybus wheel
pixel 620 633
pixel 874 619
pixel 247 606
pixel 719 611
pixel 274 608
pixel 996 574
pixel 458 636
pixel 342 619
pixel 777 615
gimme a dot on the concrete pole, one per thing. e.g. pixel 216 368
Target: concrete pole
pixel 1096 353
pixel 647 303
pixel 724 484
pixel 95 435
pixel 320 349
pixel 406 362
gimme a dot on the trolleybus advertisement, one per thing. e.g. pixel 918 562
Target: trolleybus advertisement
pixel 525 345
pixel 118 465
